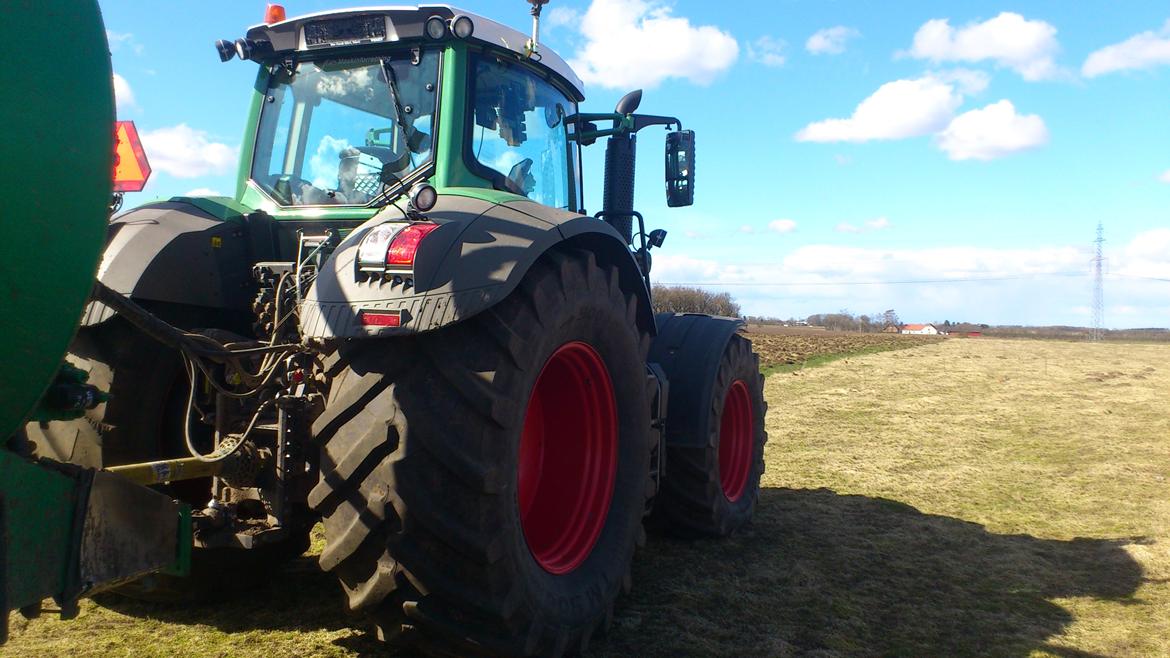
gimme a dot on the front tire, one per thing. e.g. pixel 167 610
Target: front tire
pixel 483 486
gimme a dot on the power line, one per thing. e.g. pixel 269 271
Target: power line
pixel 1099 285
pixel 1138 276
pixel 1021 277
pixel 1024 277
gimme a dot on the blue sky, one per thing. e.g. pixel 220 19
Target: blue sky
pixel 840 144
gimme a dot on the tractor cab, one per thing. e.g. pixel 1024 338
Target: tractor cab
pixel 353 108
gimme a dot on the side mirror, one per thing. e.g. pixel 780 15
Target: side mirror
pixel 680 168
pixel 629 103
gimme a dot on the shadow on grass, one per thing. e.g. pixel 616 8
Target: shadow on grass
pixel 299 597
pixel 830 575
pixel 817 573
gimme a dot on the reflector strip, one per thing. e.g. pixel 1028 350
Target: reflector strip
pixel 380 318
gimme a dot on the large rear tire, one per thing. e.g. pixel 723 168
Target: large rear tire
pixel 447 512
pixel 712 490
pixel 139 374
pixel 142 421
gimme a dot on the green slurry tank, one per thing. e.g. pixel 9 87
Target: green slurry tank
pixel 65 531
pixel 58 118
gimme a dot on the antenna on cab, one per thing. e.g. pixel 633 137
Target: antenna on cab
pixel 532 46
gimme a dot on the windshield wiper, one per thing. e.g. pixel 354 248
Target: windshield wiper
pixel 400 122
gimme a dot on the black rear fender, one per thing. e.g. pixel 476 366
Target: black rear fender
pixel 475 259
pixel 175 252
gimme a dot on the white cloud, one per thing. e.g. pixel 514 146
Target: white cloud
pixel 826 266
pixel 898 109
pixel 968 81
pixel 927 106
pixel 1165 177
pixel 831 40
pixel 992 132
pixel 876 224
pixel 123 40
pixel 1047 284
pixel 747 229
pixel 561 17
pixel 1141 51
pixel 767 51
pixel 782 225
pixel 1147 255
pixel 1027 47
pixel 639 43
pixel 824 278
pixel 123 95
pixel 185 152
pixel 203 191
pixel 326 161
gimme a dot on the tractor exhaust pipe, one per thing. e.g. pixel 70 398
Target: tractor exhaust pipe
pixel 621 152
pixel 618 198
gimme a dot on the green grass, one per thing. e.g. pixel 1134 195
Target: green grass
pixel 965 498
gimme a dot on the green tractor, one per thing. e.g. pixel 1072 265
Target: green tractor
pixel 405 325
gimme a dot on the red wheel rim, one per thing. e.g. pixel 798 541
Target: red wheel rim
pixel 736 433
pixel 568 458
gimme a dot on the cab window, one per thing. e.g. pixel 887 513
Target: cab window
pixel 518 136
pixel 343 132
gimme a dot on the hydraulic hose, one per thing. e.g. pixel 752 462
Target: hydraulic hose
pixel 155 327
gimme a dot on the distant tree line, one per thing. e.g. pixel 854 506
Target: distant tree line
pixel 682 299
pixel 844 320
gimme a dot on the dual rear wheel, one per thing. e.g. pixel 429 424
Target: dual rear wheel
pixel 711 490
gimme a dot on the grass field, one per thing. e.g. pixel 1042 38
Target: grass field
pixel 967 497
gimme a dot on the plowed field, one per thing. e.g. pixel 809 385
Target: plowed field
pixel 795 349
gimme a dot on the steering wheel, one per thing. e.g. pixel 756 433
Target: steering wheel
pixel 520 177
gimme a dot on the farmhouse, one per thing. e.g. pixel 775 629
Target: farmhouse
pixel 920 329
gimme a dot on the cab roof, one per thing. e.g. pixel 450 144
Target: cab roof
pixel 388 24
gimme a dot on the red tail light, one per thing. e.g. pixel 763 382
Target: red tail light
pixel 405 245
pixel 274 14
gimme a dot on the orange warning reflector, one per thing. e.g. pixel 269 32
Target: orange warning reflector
pixel 130 166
